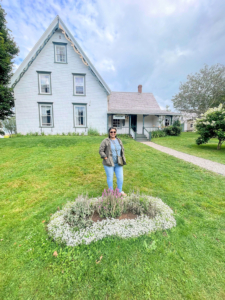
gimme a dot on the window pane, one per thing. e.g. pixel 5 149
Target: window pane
pixel 60 53
pixel 79 80
pixel 116 123
pixel 80 121
pixel 79 85
pixel 45 110
pixel 46 115
pixel 46 121
pixel 80 111
pixel 80 116
pixel 45 83
pixel 79 90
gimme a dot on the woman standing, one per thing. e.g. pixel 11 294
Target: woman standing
pixel 112 152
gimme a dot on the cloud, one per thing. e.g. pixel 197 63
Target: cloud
pixel 130 42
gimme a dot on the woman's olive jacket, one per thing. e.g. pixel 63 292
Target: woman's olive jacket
pixel 105 151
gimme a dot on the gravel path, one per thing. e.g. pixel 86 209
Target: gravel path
pixel 201 162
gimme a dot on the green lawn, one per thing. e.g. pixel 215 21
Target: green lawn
pixel 40 174
pixel 186 143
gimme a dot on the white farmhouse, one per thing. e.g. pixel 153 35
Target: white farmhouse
pixel 58 90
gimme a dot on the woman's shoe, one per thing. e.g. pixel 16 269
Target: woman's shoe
pixel 123 194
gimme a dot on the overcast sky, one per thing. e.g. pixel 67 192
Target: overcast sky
pixel 156 43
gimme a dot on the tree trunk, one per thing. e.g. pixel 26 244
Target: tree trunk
pixel 219 145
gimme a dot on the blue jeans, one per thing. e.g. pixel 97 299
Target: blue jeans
pixel 119 176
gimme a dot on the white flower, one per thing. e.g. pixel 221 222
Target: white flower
pixel 60 231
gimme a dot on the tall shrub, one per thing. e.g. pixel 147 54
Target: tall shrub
pixel 211 125
pixel 10 125
pixel 173 129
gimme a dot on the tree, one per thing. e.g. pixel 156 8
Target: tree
pixel 8 51
pixel 168 108
pixel 10 125
pixel 1 131
pixel 211 125
pixel 202 90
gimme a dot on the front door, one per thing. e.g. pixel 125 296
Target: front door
pixel 134 122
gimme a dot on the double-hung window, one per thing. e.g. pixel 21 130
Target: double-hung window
pixel 46 114
pixel 80 115
pixel 44 83
pixel 60 51
pixel 79 84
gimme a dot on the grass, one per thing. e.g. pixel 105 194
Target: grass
pixel 40 174
pixel 186 143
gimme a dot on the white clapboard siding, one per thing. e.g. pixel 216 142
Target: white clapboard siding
pixel 27 98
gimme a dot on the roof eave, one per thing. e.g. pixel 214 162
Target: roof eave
pixel 169 113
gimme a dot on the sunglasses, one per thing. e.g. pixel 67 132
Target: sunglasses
pixel 112 131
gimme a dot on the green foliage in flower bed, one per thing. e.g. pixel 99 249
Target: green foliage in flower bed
pixel 111 204
pixel 151 215
pixel 78 216
pixel 141 205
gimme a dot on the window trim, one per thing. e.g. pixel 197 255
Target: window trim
pixel 39 110
pixel 60 44
pixel 74 117
pixel 83 75
pixel 39 86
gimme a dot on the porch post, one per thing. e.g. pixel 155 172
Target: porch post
pixel 171 120
pixel 107 123
pixel 143 124
pixel 129 123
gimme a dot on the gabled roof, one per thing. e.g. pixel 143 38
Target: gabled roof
pixel 57 24
pixel 135 103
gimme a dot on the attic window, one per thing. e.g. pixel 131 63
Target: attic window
pixel 60 52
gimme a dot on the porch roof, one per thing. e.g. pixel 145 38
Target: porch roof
pixel 135 104
pixel 131 111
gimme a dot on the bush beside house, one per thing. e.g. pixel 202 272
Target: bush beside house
pixel 173 130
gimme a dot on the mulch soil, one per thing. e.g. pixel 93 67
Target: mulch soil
pixel 96 217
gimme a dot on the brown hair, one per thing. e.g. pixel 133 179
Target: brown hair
pixel 111 129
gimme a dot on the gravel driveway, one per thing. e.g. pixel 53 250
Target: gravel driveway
pixel 201 162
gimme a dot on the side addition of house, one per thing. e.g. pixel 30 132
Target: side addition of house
pixel 137 113
pixel 57 89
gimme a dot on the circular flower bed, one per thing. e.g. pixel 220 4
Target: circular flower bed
pixel 88 220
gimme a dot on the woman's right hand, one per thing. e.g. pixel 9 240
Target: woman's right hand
pixel 105 157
